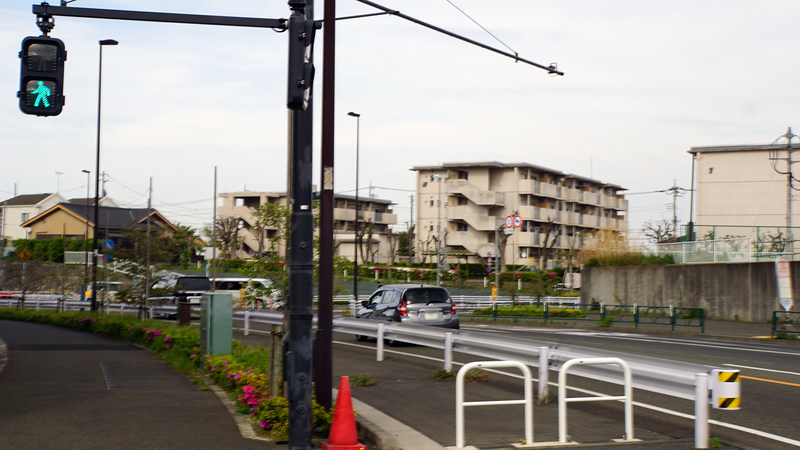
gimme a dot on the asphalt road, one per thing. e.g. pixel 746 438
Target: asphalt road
pixel 771 378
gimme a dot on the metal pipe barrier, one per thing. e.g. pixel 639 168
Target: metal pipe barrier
pixel 527 397
pixel 563 400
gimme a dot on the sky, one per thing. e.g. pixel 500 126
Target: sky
pixel 644 82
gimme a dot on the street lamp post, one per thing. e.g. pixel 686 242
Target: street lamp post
pixel 438 230
pixel 97 175
pixel 86 234
pixel 355 240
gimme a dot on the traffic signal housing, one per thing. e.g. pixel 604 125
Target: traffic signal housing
pixel 41 77
pixel 301 69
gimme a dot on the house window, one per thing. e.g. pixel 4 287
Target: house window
pixel 431 227
pixel 24 217
pixel 431 203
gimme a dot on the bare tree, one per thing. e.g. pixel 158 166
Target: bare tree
pixel 228 234
pixel 394 246
pixel 550 229
pixel 660 231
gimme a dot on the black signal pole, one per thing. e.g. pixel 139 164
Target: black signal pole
pixel 323 349
pixel 299 354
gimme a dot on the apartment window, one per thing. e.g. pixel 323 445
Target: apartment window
pixel 24 217
pixel 461 227
pixel 431 227
pixel 432 204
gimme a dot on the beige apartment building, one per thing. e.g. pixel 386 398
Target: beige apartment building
pixel 477 197
pixel 374 216
pixel 742 190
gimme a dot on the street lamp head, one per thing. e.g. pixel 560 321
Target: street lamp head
pixel 108 42
pixel 351 113
pixel 85 171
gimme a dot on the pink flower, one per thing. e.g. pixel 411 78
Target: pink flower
pixel 191 356
pixel 213 368
pixel 167 345
pixel 237 376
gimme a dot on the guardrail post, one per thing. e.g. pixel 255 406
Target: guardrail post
pixel 672 317
pixel 635 316
pixel 702 320
pixel 519 284
pixel 701 410
pixel 602 311
pixel 545 312
pixel 544 376
pixel 379 345
pixel 247 323
pixel 448 351
pixel 37 304
pixel 494 311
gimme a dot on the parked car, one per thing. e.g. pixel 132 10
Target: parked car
pixel 412 304
pixel 234 287
pixel 184 289
pixel 5 294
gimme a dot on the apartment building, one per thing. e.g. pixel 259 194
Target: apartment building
pixel 743 190
pixel 374 217
pixel 476 197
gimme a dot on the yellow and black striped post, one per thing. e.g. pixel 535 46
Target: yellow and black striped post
pixel 726 390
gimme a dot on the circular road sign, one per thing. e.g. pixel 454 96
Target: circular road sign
pixel 108 244
pixel 509 222
pixel 517 221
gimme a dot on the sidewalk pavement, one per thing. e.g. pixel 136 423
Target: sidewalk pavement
pixel 65 389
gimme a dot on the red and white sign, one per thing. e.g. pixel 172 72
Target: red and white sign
pixel 517 221
pixel 509 221
pixel 784 283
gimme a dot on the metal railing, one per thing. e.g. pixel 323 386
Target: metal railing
pixel 786 322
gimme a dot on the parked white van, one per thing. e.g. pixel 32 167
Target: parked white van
pixel 234 287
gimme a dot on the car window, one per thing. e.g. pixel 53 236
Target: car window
pixel 376 298
pixel 427 295
pixel 194 284
pixel 388 297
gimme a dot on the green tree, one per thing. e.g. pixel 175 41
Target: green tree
pixel 132 259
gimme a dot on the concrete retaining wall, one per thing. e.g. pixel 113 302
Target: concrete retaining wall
pixel 747 291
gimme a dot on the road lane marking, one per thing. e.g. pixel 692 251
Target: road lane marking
pixel 718 347
pixel 760 433
pixel 771 381
pixel 759 368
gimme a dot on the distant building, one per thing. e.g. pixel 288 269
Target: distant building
pixel 741 190
pixel 17 210
pixel 373 213
pixel 477 197
pixel 73 221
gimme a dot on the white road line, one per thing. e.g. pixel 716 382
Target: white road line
pixel 760 433
pixel 759 368
pixel 718 347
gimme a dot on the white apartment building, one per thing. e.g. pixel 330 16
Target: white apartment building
pixel 476 198
pixel 374 214
pixel 742 190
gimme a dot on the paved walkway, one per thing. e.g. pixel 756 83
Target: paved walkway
pixel 65 389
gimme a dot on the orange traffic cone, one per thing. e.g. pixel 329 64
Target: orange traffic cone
pixel 343 434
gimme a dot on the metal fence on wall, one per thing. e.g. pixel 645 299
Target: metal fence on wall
pixel 721 250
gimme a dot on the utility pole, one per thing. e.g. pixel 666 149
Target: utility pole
pixel 773 156
pixel 147 256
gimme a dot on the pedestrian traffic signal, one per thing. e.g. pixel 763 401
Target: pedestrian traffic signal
pixel 41 78
pixel 301 70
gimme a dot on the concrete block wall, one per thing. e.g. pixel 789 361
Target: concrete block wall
pixel 747 291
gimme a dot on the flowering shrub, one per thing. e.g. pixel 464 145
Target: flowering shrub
pixel 251 386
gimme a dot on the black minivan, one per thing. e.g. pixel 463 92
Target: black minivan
pixel 410 303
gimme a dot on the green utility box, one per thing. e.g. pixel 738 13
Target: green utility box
pixel 216 323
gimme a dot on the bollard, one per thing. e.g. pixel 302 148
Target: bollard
pixel 380 343
pixel 701 410
pixel 544 376
pixel 485 281
pixel 519 284
pixel 448 351
pixel 247 323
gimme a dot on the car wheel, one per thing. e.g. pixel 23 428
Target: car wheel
pixel 361 338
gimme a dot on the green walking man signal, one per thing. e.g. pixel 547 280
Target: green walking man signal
pixel 41 78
